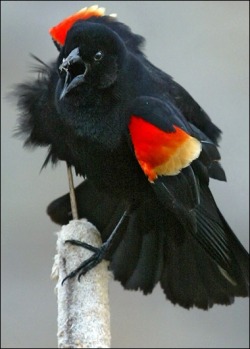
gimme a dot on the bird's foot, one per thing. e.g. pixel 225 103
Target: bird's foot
pixel 91 262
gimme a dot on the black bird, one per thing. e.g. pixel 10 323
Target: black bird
pixel 146 150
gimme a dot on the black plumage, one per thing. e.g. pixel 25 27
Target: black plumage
pixel 172 232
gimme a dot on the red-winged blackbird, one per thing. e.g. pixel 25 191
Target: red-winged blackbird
pixel 147 150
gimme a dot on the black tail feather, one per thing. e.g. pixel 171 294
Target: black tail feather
pixel 142 249
pixel 201 268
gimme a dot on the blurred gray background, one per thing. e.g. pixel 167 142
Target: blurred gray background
pixel 204 45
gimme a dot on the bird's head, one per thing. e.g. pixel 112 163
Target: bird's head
pixel 92 55
pixel 92 71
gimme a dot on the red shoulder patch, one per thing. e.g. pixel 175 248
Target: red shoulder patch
pixel 159 152
pixel 59 32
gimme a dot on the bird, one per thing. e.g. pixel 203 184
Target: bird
pixel 146 151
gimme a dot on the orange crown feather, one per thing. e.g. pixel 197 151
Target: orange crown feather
pixel 59 32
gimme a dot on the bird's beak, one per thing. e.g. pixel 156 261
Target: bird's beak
pixel 75 70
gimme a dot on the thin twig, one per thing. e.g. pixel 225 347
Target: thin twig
pixel 72 193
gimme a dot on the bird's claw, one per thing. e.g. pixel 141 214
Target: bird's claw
pixel 91 262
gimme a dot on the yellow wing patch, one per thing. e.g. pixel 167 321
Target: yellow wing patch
pixel 159 152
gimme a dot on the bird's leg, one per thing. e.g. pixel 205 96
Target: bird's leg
pixel 99 252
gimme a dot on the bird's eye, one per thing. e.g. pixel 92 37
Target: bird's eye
pixel 98 56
